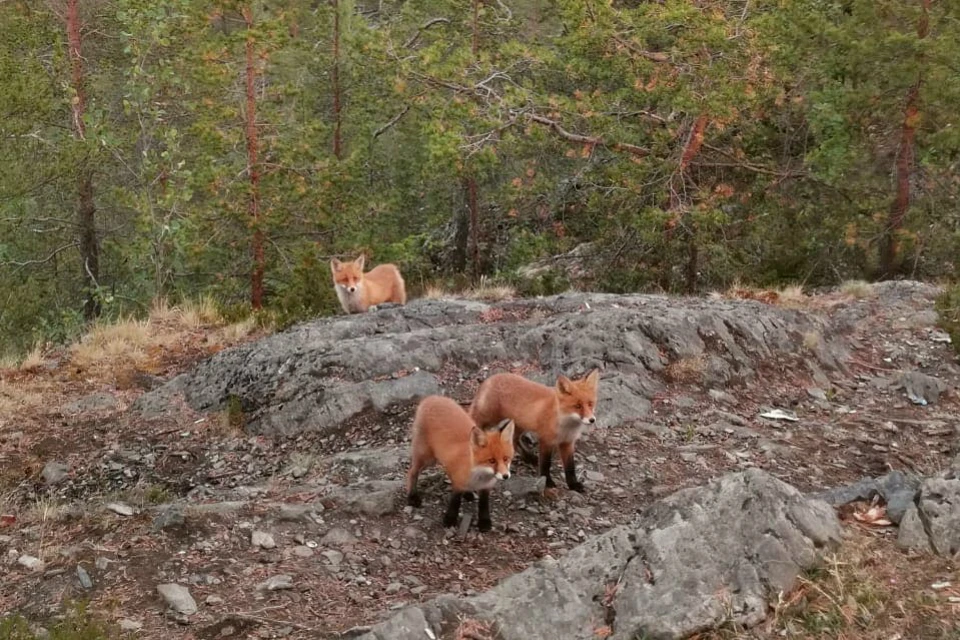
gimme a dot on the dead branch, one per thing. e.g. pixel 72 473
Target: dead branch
pixel 390 123
pixel 50 256
pixel 426 25
pixel 632 149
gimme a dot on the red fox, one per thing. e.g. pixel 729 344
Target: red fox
pixel 358 291
pixel 557 415
pixel 474 459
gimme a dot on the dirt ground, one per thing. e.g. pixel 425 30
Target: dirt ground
pixel 347 568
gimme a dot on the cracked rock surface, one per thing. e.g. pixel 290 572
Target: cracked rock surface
pixel 317 375
pixel 689 562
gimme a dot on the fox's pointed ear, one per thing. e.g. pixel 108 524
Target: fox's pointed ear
pixel 593 377
pixel 506 431
pixel 564 384
pixel 335 265
pixel 478 437
pixel 359 262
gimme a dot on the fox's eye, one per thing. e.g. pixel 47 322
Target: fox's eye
pixel 506 459
pixel 579 406
pixel 493 461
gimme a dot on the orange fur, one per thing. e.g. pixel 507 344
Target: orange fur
pixel 358 291
pixel 557 415
pixel 443 432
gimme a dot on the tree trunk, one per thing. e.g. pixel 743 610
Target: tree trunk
pixel 253 169
pixel 335 80
pixel 889 246
pixel 470 185
pixel 690 151
pixel 87 240
pixel 476 29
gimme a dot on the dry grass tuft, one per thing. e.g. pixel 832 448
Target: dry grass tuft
pixel 486 291
pixel 857 289
pixel 435 292
pixel 686 370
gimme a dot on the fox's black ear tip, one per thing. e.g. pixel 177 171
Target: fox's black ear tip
pixel 504 424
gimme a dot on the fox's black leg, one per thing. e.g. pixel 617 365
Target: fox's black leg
pixel 483 511
pixel 453 510
pixel 413 493
pixel 569 466
pixel 468 496
pixel 546 461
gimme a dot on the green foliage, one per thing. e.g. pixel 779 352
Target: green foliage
pixel 948 313
pixel 77 624
pixel 575 120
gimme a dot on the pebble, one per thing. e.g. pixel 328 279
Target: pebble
pixel 120 509
pixel 262 539
pixel 84 578
pixel 302 551
pixel 30 562
pixel 55 472
pixel 126 624
pixel 338 537
pixel 178 598
pixel 276 583
pixel 213 600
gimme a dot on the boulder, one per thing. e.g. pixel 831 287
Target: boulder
pixel 318 375
pixel 712 555
pixel 933 522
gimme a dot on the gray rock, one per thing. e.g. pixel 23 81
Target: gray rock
pixel 817 393
pixel 120 509
pixel 178 598
pixel 302 551
pixel 338 537
pixel 524 485
pixel 126 624
pixel 920 388
pixel 92 402
pixel 700 558
pixel 30 562
pixel 934 523
pixel 168 517
pixel 317 375
pixel 374 462
pixel 718 395
pixel 276 583
pixel 897 489
pixel 84 578
pixel 296 512
pixel 262 539
pixel 55 472
pixel 333 557
pixel 213 600
pixel 372 498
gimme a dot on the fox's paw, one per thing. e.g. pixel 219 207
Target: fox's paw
pixel 414 499
pixel 450 519
pixel 469 496
pixel 484 524
pixel 577 486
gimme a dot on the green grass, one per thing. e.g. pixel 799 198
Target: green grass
pixel 77 624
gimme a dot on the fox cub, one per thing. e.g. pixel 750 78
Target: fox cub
pixel 474 459
pixel 558 415
pixel 358 291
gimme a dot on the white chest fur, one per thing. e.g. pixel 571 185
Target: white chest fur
pixel 349 301
pixel 571 428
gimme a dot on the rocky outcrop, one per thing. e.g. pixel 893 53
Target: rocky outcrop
pixel 712 555
pixel 932 523
pixel 318 375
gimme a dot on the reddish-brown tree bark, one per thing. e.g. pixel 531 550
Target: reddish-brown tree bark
pixel 335 81
pixel 253 169
pixel 87 240
pixel 903 166
pixel 690 151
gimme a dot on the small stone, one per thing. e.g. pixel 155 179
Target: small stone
pixel 169 517
pixel 120 509
pixel 84 578
pixel 816 393
pixel 262 539
pixel 393 587
pixel 212 600
pixel 126 624
pixel 55 472
pixel 333 557
pixel 101 563
pixel 276 583
pixel 30 562
pixel 178 598
pixel 338 537
pixel 719 395
pixel 302 551
pixel 595 476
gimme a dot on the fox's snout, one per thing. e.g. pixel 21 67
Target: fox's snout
pixel 503 475
pixel 590 420
pixel 351 289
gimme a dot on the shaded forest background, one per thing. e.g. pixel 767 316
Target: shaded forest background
pixel 187 148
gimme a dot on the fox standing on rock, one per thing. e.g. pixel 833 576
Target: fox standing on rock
pixel 473 458
pixel 557 415
pixel 358 291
